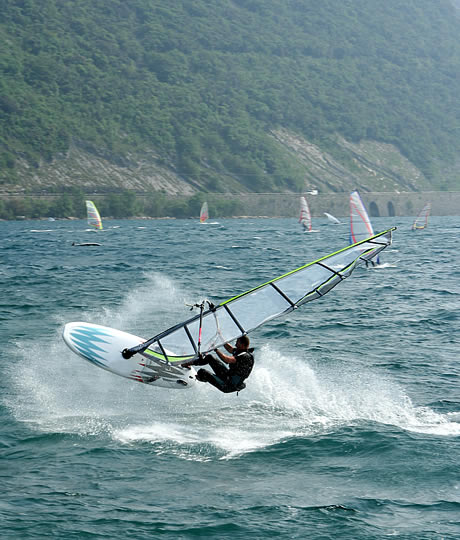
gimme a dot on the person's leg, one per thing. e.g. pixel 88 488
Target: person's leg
pixel 219 367
pixel 220 379
pixel 203 360
pixel 200 361
pixel 204 375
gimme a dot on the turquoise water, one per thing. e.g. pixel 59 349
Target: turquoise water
pixel 349 426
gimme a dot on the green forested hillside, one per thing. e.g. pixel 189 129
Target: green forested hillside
pixel 204 82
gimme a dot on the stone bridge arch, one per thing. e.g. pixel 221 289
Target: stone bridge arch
pixel 391 209
pixel 374 209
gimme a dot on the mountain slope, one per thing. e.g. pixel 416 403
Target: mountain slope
pixel 197 88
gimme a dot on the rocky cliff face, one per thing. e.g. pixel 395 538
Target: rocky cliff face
pixel 96 173
pixel 368 165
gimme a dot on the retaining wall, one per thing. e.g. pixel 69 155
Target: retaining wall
pixel 378 204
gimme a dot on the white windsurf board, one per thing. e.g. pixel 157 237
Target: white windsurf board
pixel 103 346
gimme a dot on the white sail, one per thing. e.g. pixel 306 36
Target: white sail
pixel 247 311
pixel 331 218
pixel 421 221
pixel 305 215
pixel 94 219
pixel 204 214
pixel 360 224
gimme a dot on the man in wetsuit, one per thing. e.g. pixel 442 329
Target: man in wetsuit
pixel 227 379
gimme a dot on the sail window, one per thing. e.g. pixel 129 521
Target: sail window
pixel 218 327
pixel 259 306
pixel 178 343
pixel 295 285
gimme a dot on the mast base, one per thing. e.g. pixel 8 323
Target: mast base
pixel 127 353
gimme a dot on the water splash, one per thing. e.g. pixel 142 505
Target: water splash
pixel 286 397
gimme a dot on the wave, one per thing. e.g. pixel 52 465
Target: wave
pixel 285 399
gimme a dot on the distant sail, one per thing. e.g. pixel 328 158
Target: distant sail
pixel 247 311
pixel 204 215
pixel 422 219
pixel 331 218
pixel 94 219
pixel 360 224
pixel 305 215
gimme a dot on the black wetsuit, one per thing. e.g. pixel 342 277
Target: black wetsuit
pixel 227 377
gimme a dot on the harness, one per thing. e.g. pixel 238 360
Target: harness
pixel 241 369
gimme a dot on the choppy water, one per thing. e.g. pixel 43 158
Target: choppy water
pixel 349 426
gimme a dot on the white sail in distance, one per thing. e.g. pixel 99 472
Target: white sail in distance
pixel 421 221
pixel 331 218
pixel 360 224
pixel 204 214
pixel 305 215
pixel 247 311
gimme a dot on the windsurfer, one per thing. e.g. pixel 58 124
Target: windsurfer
pixel 227 379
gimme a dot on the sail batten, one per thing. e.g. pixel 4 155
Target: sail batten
pixel 229 311
pixel 283 295
pixel 249 310
pixel 190 338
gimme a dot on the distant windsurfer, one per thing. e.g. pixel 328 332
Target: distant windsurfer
pixel 227 379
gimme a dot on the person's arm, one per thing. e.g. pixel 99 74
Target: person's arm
pixel 225 357
pixel 228 347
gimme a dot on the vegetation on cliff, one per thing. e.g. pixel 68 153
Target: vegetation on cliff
pixel 204 83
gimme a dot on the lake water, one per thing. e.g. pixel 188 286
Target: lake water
pixel 349 426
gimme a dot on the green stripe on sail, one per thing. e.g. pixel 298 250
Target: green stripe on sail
pixel 171 358
pixel 311 264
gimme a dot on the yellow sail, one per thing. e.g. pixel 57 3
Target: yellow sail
pixel 94 219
